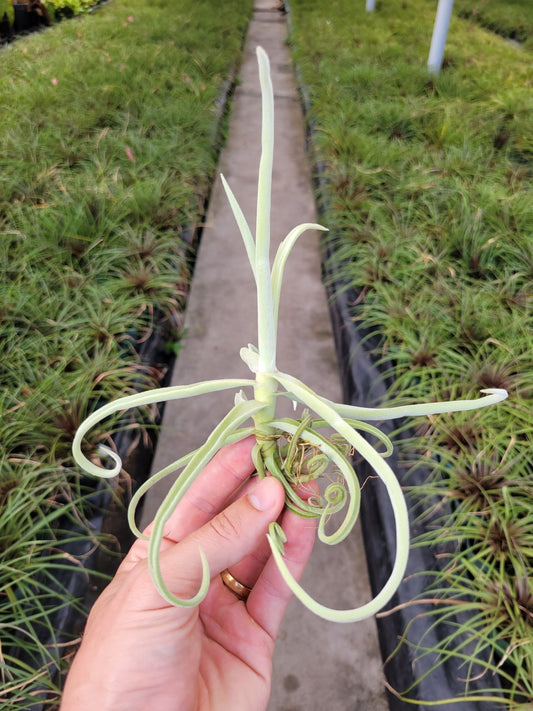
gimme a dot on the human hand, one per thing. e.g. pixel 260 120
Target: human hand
pixel 140 653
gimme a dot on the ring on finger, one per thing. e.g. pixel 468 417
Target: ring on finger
pixel 237 588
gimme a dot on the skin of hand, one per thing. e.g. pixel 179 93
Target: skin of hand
pixel 139 652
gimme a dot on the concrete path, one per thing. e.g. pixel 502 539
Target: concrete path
pixel 318 665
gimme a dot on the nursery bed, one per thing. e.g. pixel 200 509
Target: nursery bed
pixel 363 384
pixel 103 204
pixel 372 186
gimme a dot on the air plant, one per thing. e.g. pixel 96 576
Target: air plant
pixel 294 451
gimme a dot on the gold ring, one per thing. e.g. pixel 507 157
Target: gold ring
pixel 237 588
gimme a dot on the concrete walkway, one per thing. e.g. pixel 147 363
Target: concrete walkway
pixel 318 665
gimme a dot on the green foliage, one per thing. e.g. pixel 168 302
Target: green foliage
pixel 509 18
pixel 73 7
pixel 34 549
pixel 429 194
pixel 6 7
pixel 107 148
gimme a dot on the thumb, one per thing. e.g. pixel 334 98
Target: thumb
pixel 231 535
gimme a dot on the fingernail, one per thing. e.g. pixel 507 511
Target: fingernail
pixel 264 495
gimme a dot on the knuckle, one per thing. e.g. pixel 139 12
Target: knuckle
pixel 223 527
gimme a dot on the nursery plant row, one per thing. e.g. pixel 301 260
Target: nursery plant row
pixel 108 145
pixel 425 183
pixel 19 17
pixel 512 20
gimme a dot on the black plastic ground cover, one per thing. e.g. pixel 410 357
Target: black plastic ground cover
pixel 78 582
pixel 363 384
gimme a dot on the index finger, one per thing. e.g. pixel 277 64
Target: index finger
pixel 220 479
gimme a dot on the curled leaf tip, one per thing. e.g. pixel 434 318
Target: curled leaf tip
pixel 108 453
pixel 276 537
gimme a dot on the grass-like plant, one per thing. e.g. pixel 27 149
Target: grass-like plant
pixel 509 19
pixel 93 262
pixel 295 451
pixel 426 189
pixel 41 555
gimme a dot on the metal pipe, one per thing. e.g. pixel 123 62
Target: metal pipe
pixel 440 32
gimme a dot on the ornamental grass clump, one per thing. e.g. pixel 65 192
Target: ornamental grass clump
pixel 294 450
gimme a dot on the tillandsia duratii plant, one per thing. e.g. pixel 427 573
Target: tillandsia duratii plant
pixel 295 451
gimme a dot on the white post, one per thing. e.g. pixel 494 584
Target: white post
pixel 440 32
pixel 370 5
